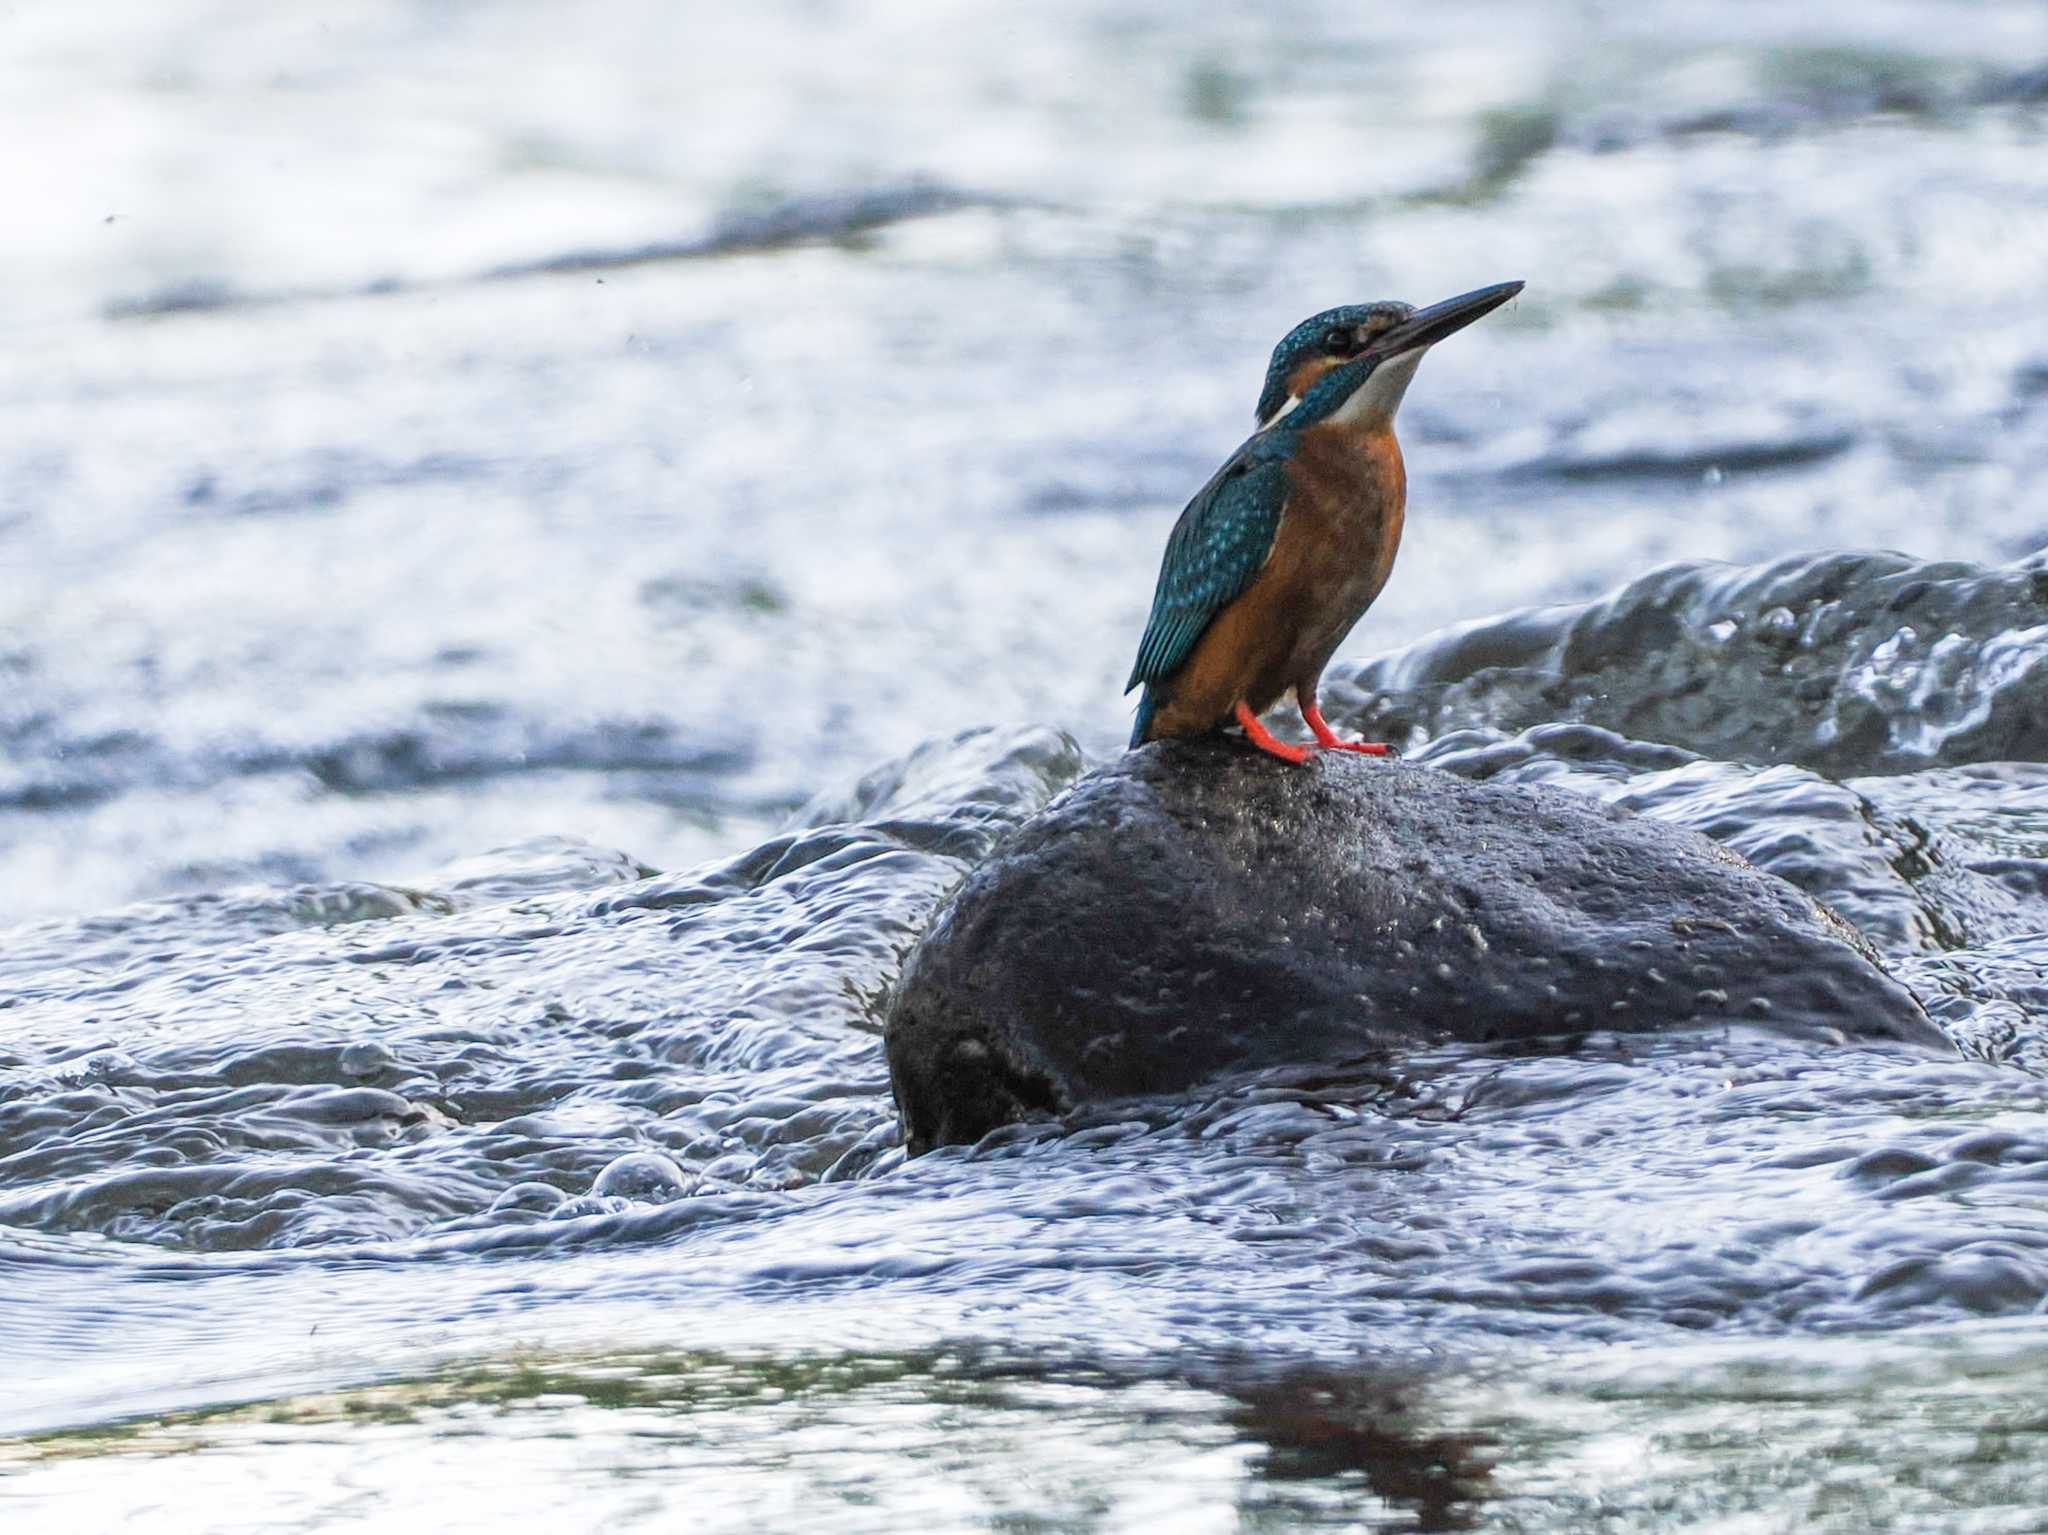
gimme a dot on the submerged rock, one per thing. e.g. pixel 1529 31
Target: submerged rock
pixel 1198 910
pixel 1841 663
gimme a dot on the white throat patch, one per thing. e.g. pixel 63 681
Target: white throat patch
pixel 1376 400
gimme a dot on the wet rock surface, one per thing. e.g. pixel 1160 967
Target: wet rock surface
pixel 1842 663
pixel 1197 910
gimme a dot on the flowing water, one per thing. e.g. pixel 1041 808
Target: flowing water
pixel 532 557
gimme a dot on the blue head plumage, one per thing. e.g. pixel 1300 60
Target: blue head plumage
pixel 1322 342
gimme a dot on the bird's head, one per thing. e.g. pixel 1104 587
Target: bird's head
pixel 1356 360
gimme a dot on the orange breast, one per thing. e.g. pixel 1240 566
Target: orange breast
pixel 1331 556
pixel 1338 540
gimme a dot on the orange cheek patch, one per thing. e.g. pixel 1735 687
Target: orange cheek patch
pixel 1303 378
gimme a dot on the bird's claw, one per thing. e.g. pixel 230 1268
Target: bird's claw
pixel 1331 741
pixel 1363 748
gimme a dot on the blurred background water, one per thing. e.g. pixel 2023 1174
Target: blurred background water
pixel 480 484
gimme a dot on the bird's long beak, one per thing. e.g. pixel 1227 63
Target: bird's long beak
pixel 1428 326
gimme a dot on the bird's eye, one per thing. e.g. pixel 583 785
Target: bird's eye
pixel 1337 340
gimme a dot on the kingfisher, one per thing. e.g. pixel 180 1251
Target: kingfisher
pixel 1291 540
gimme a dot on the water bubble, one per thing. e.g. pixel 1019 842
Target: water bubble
pixel 647 1176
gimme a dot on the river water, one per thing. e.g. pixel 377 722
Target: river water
pixel 533 553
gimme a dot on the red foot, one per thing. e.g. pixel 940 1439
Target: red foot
pixel 1262 738
pixel 1325 736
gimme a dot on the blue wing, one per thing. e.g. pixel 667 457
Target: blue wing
pixel 1220 543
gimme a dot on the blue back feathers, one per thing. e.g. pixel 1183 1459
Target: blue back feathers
pixel 1220 543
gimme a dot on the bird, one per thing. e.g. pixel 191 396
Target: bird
pixel 1293 538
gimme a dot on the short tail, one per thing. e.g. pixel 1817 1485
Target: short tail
pixel 1148 705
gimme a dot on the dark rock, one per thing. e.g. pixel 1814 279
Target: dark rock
pixel 1829 839
pixel 1198 910
pixel 833 216
pixel 1674 442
